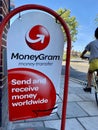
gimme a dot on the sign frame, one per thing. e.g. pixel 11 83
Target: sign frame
pixel 66 29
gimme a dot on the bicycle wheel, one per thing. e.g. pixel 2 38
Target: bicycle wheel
pixel 96 89
pixel 96 97
pixel 95 84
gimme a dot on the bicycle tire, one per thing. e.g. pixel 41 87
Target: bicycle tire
pixel 95 84
pixel 96 97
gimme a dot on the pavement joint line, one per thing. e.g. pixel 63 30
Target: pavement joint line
pixel 81 124
pixel 78 81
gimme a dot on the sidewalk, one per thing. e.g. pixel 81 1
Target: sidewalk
pixel 82 111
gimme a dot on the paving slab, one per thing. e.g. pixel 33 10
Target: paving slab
pixel 25 125
pixel 89 107
pixel 73 97
pixel 74 110
pixel 35 128
pixel 53 124
pixel 89 123
pixel 73 124
pixel 73 83
pixel 76 90
pixel 87 97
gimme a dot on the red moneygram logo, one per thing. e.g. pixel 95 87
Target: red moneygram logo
pixel 37 37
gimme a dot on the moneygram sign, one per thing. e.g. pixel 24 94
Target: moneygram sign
pixel 35 45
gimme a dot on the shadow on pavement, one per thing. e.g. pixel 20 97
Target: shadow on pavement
pixel 75 74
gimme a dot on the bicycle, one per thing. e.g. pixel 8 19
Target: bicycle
pixel 95 84
pixel 94 81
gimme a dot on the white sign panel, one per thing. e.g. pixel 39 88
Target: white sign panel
pixel 34 55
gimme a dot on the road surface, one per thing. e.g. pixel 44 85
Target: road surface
pixel 78 69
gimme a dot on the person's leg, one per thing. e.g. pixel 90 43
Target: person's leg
pixel 89 78
pixel 93 65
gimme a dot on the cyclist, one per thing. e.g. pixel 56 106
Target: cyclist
pixel 92 47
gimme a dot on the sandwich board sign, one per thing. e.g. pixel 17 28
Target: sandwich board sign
pixel 35 45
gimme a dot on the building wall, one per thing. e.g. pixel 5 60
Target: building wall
pixel 4 10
